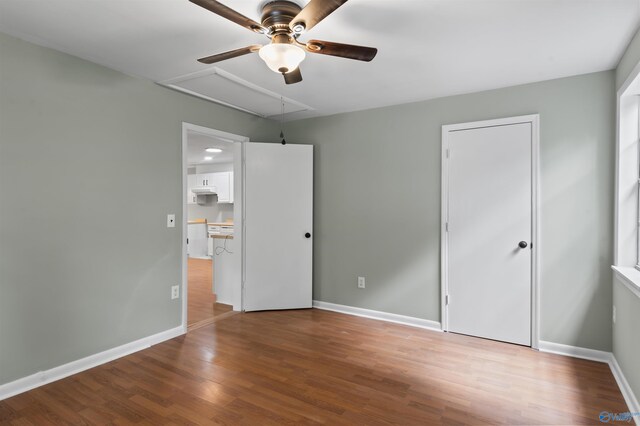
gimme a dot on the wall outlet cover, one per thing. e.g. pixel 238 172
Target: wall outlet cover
pixel 171 221
pixel 361 283
pixel 175 292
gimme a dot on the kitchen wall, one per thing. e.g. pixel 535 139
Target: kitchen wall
pixel 210 210
pixel 90 164
pixel 377 202
pixel 213 168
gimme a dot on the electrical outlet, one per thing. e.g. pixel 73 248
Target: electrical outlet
pixel 171 221
pixel 614 314
pixel 360 282
pixel 175 292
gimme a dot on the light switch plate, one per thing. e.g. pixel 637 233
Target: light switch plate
pixel 171 221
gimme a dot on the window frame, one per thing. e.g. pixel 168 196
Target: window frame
pixel 626 256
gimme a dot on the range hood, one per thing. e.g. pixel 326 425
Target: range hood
pixel 204 190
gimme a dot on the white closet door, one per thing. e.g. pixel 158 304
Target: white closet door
pixel 489 223
pixel 278 225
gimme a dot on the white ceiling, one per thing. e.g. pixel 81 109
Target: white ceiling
pixel 197 143
pixel 427 48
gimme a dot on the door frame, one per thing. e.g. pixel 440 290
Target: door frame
pixel 534 119
pixel 238 174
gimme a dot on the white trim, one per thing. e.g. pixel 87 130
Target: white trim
pixel 534 119
pixel 625 388
pixel 185 219
pixel 574 351
pixel 43 377
pixel 444 232
pixel 232 139
pixel 626 177
pixel 378 315
pixel 243 216
pixel 630 277
pixel 535 231
pixel 226 136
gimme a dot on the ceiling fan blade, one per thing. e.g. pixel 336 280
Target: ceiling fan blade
pixel 314 12
pixel 360 53
pixel 230 14
pixel 230 54
pixel 293 77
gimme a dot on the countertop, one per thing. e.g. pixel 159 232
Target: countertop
pixel 221 236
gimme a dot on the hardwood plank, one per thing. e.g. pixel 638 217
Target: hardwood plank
pixel 318 367
pixel 202 306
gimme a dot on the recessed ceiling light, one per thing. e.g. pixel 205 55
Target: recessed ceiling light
pixel 208 158
pixel 213 150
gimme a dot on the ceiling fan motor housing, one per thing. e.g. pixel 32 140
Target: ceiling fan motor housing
pixel 277 15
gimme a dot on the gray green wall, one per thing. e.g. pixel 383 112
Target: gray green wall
pixel 377 202
pixel 629 60
pixel 86 260
pixel 626 337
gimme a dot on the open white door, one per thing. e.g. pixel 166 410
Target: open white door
pixel 278 206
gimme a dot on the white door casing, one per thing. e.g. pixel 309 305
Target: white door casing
pixel 278 212
pixel 489 283
pixel 235 142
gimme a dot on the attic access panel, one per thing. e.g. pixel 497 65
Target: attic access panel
pixel 227 89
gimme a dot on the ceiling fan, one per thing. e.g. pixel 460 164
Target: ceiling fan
pixel 283 22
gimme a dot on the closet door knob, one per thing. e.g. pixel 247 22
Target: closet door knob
pixel 522 244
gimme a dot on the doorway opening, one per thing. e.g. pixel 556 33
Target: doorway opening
pixel 211 265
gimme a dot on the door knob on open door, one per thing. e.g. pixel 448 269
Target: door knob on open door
pixel 522 244
pixel 307 235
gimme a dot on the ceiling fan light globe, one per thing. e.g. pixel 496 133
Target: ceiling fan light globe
pixel 281 56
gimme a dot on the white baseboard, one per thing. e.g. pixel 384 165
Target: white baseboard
pixel 625 388
pixel 382 316
pixel 601 356
pixel 574 351
pixel 43 377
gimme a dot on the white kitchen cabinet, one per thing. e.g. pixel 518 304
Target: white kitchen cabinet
pixel 223 181
pixel 191 182
pixel 205 179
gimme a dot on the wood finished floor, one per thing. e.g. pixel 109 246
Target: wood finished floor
pixel 318 367
pixel 201 301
